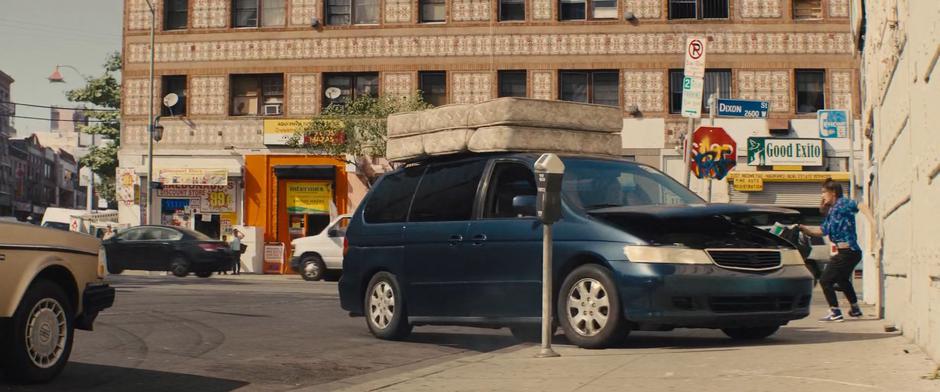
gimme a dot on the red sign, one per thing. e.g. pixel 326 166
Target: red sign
pixel 695 49
pixel 713 154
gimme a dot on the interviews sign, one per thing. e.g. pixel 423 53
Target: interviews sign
pixel 766 151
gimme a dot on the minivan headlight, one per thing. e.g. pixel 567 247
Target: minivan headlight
pixel 791 257
pixel 665 254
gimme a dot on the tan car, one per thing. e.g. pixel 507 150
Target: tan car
pixel 51 282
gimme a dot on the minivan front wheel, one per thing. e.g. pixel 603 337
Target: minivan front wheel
pixel 385 308
pixel 589 308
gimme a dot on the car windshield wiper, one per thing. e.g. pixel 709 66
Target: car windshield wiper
pixel 599 206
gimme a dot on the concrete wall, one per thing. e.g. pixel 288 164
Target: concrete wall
pixel 900 91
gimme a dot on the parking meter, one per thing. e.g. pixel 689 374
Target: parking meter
pixel 549 170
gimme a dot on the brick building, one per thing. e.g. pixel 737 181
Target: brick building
pixel 245 66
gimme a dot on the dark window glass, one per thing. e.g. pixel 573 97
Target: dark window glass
pixel 433 87
pixel 715 81
pixel 809 91
pixel 572 9
pixel 675 90
pixel 807 9
pixel 682 9
pixel 512 83
pixel 175 12
pixel 351 86
pixel 509 180
pixel 257 95
pixel 599 87
pixel 511 10
pixel 175 84
pixel 132 234
pixel 338 12
pixel 433 10
pixel 447 192
pixel 390 199
pixel 698 9
pixel 714 9
pixel 245 13
pixel 345 12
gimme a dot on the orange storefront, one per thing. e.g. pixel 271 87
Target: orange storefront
pixel 292 196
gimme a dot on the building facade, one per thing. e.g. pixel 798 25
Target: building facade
pixel 6 132
pixel 900 45
pixel 246 70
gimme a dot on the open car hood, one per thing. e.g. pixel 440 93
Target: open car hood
pixel 743 213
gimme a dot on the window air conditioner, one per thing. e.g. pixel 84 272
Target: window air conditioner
pixel 272 109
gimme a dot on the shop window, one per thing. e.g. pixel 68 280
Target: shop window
pixel 807 9
pixel 351 86
pixel 433 86
pixel 175 84
pixel 716 81
pixel 175 14
pixel 391 197
pixel 511 10
pixel 698 9
pixel 257 95
pixel 512 83
pixel 810 86
pixel 258 13
pixel 347 12
pixel 433 10
pixel 599 87
pixel 446 192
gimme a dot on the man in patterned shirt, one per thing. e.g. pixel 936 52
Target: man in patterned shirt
pixel 839 225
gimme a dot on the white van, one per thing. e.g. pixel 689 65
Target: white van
pixel 60 218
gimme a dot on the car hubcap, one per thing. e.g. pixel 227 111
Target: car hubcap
pixel 46 333
pixel 588 307
pixel 382 305
pixel 311 269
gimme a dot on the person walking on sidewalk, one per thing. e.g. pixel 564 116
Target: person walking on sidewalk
pixel 839 225
pixel 237 237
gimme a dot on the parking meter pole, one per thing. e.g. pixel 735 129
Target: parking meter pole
pixel 546 351
pixel 687 151
pixel 549 171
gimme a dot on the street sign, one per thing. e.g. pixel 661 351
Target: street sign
pixel 748 184
pixel 742 108
pixel 767 151
pixel 713 153
pixel 695 56
pixel 833 123
pixel 692 96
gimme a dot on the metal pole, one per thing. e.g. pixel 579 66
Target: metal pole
pixel 153 18
pixel 851 154
pixel 91 190
pixel 687 151
pixel 547 328
pixel 712 102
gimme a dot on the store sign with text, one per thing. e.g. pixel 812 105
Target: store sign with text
pixel 278 132
pixel 203 199
pixel 766 151
pixel 309 197
pixel 192 176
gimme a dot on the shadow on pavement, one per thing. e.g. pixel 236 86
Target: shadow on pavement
pixel 88 377
pixel 465 341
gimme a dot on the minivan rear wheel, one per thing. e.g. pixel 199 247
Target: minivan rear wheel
pixel 589 308
pixel 384 308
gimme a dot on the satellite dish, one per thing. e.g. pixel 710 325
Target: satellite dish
pixel 170 100
pixel 332 93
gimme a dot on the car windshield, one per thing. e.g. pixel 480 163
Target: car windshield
pixel 590 184
pixel 195 234
pixel 56 225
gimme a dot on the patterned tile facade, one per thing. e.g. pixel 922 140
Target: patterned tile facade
pixel 210 14
pixel 303 91
pixel 761 8
pixel 242 132
pixel 470 10
pixel 398 83
pixel 773 86
pixel 486 45
pixel 138 14
pixel 644 9
pixel 840 89
pixel 471 87
pixel 645 89
pixel 541 9
pixel 398 11
pixel 207 95
pixel 134 100
pixel 838 8
pixel 542 83
pixel 301 11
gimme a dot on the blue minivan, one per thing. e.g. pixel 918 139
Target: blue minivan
pixel 455 241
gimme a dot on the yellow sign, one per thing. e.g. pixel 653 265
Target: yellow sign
pixel 279 131
pixel 309 197
pixel 748 184
pixel 786 176
pixel 787 167
pixel 190 176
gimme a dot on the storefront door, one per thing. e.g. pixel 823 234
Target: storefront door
pixel 305 208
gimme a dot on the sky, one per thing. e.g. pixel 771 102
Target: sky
pixel 35 35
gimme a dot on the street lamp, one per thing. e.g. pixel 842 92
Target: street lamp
pixel 150 127
pixel 56 77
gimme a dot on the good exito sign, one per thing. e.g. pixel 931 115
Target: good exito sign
pixel 765 151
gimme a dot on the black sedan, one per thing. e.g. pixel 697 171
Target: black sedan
pixel 167 248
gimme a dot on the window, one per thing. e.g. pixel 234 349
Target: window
pixel 257 95
pixel 809 90
pixel 132 234
pixel 447 192
pixel 433 87
pixel 433 10
pixel 175 84
pixel 510 10
pixel 807 9
pixel 698 9
pixel 345 12
pixel 577 9
pixel 389 201
pixel 509 180
pixel 512 83
pixel 598 183
pixel 716 81
pixel 247 13
pixel 174 14
pixel 600 87
pixel 351 86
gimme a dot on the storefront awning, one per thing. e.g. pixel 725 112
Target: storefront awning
pixel 305 172
pixel 192 176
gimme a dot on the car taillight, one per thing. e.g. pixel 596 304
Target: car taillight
pixel 345 245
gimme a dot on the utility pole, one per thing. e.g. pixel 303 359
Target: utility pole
pixel 146 220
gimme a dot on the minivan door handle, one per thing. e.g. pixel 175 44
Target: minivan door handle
pixel 454 239
pixel 479 239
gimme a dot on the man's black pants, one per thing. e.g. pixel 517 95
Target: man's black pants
pixel 840 270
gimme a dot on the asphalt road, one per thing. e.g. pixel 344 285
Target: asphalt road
pixel 218 334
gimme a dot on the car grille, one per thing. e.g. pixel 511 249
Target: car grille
pixel 754 260
pixel 766 303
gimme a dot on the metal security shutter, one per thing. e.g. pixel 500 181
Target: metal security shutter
pixel 791 194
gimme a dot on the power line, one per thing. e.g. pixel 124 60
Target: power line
pixel 59 107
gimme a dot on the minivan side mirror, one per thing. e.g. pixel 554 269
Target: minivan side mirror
pixel 524 205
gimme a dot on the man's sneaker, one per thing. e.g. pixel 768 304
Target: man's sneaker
pixel 833 317
pixel 855 312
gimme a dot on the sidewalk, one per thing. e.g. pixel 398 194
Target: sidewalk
pixel 242 276
pixel 856 355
